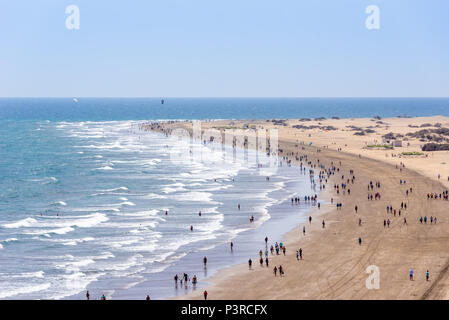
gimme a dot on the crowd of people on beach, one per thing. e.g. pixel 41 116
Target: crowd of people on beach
pixel 322 173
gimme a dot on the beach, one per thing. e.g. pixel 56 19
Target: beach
pixel 109 207
pixel 334 263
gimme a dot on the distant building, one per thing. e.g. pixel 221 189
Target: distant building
pixel 397 143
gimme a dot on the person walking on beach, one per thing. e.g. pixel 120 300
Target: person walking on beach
pixel 266 241
pixel 266 261
pixel 427 275
pixel 176 278
pixel 300 253
pixel 205 295
pixel 147 298
pixel 275 270
pixel 261 261
pixel 232 245
pixel 324 224
pixel 283 250
pixel 297 254
pixel 205 261
pixel 360 241
pixel 304 230
pixel 87 295
pixel 411 274
pixel 310 219
pixel 281 271
pixel 250 262
pixel 103 297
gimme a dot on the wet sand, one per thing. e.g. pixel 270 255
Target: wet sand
pixel 334 264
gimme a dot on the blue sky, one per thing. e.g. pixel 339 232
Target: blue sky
pixel 224 48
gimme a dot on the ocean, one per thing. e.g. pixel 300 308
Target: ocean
pixel 84 191
pixel 102 109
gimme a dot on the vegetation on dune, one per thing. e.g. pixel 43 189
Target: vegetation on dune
pixel 435 147
pixel 378 146
pixel 412 153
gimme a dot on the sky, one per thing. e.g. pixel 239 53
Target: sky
pixel 224 48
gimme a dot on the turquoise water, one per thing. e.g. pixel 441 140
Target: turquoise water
pixel 88 109
pixel 83 192
pixel 82 206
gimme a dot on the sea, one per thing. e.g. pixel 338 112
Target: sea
pixel 90 201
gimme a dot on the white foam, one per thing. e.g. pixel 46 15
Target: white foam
pixel 64 224
pixel 116 189
pixel 72 242
pixel 105 168
pixel 154 196
pixel 127 203
pixel 74 266
pixel 146 213
pixel 195 196
pixel 10 292
pixel 61 230
pixel 37 274
pixel 27 222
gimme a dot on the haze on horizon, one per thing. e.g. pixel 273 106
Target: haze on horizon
pixel 202 48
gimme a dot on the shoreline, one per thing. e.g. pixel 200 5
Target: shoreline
pixel 336 268
pixel 160 284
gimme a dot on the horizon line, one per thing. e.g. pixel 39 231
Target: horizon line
pixel 221 97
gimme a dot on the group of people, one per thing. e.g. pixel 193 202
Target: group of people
pixel 297 200
pixel 411 275
pixel 185 279
pixel 444 195
pixel 103 297
pixel 281 271
pixel 433 220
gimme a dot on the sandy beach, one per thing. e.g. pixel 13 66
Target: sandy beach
pixel 334 263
